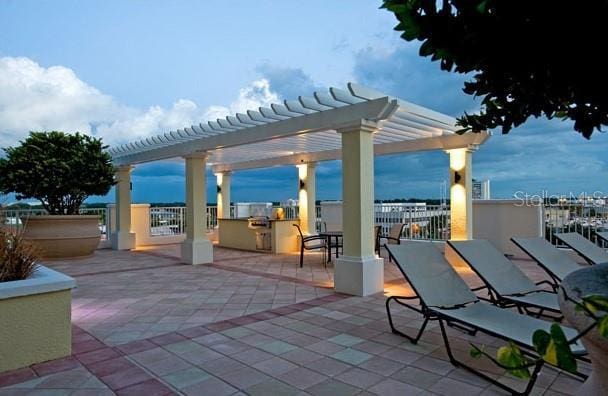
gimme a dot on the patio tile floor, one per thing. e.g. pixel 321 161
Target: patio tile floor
pixel 256 324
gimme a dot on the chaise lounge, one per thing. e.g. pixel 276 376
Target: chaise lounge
pixel 507 285
pixel 554 261
pixel 446 298
pixel 588 250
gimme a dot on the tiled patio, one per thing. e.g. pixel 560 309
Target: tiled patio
pixel 250 324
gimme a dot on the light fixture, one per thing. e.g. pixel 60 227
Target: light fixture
pixel 219 189
pixel 457 177
pixel 302 184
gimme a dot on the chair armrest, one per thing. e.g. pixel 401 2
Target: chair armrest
pixel 313 238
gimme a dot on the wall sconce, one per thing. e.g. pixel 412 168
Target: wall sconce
pixel 457 177
pixel 302 184
pixel 219 189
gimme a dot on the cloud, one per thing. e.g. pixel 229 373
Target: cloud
pixel 288 82
pixel 401 72
pixel 33 97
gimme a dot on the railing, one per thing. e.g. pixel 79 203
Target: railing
pixel 171 220
pixel 166 220
pixel 17 218
pixel 427 222
pixel 586 219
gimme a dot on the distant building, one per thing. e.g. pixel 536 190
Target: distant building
pixel 481 189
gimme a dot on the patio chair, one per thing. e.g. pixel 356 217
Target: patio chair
pixel 507 285
pixel 446 298
pixel 377 233
pixel 588 250
pixel 393 237
pixel 554 261
pixel 311 242
pixel 602 236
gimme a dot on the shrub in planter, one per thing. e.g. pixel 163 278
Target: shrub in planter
pixel 35 306
pixel 60 170
pixel 17 257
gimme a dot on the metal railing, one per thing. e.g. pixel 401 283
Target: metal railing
pixel 171 220
pixel 167 220
pixel 424 222
pixel 17 218
pixel 586 219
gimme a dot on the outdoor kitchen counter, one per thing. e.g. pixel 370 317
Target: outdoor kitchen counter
pixel 236 234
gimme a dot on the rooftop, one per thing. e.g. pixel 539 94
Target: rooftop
pixel 248 323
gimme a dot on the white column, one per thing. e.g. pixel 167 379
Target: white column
pixel 123 238
pixel 196 249
pixel 461 198
pixel 359 271
pixel 307 197
pixel 223 194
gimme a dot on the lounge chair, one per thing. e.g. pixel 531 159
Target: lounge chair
pixel 588 250
pixel 554 261
pixel 445 297
pixel 603 236
pixel 507 285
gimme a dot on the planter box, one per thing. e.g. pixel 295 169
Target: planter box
pixel 35 319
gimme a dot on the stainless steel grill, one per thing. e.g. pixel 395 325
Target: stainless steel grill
pixel 258 222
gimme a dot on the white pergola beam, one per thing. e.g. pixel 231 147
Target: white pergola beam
pixel 445 142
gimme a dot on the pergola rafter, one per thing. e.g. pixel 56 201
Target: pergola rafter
pixel 269 133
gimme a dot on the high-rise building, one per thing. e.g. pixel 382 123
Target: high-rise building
pixel 481 189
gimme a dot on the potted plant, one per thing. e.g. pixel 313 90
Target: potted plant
pixel 60 170
pixel 35 306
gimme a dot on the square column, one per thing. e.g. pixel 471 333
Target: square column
pixel 307 198
pixel 461 193
pixel 223 194
pixel 196 249
pixel 359 271
pixel 123 238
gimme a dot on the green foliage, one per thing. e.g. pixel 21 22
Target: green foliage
pixel 553 347
pixel 528 58
pixel 510 356
pixel 59 169
pixel 17 257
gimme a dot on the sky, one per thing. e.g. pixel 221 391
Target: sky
pixel 123 70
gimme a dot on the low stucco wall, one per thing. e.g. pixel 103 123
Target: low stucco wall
pixel 497 220
pixel 34 329
pixel 35 319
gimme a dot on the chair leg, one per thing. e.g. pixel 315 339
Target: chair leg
pixel 457 363
pixel 413 340
pixel 302 256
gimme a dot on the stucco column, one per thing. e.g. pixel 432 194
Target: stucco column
pixel 196 249
pixel 123 238
pixel 307 197
pixel 223 194
pixel 461 198
pixel 359 271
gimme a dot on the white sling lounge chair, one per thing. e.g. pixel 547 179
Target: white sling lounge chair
pixel 507 285
pixel 554 261
pixel 588 250
pixel 445 297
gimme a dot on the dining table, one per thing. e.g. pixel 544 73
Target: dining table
pixel 335 236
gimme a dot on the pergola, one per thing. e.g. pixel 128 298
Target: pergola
pixel 353 125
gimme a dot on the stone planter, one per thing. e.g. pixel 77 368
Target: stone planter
pixel 63 236
pixel 35 318
pixel 585 282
